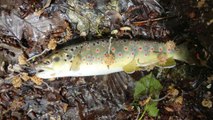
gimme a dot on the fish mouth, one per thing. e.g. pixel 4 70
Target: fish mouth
pixel 40 70
pixel 44 72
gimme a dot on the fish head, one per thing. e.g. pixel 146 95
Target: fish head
pixel 52 65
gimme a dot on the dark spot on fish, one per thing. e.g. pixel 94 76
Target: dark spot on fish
pixel 56 59
pixel 72 49
pixel 69 56
pixel 66 49
pixel 98 42
pixel 65 60
pixel 94 44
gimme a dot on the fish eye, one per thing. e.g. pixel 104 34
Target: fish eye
pixel 56 59
pixel 46 62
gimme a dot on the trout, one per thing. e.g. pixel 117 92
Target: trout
pixel 102 57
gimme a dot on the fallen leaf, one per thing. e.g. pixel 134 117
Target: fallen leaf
pixel 36 80
pixel 144 102
pixel 179 100
pixel 201 3
pixel 16 81
pixel 52 44
pixel 178 103
pixel 68 32
pixel 173 92
pixel 168 109
pixel 65 107
pixel 207 103
pixel 129 108
pixel 22 60
pixel 16 104
pixel 24 76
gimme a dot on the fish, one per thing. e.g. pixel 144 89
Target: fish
pixel 104 56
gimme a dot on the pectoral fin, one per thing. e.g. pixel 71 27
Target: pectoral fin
pixel 131 67
pixel 170 62
pixel 76 63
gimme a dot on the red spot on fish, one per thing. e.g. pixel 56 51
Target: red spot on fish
pixel 125 48
pixel 97 50
pixel 119 54
pixel 168 49
pixel 88 48
pixel 133 53
pixel 113 49
pixel 140 49
pixel 160 49
pixel 145 54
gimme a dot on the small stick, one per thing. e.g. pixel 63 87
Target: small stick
pixel 110 44
pixel 138 23
pixel 38 55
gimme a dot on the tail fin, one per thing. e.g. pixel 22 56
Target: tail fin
pixel 187 53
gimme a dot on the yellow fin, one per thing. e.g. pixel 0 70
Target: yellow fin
pixel 76 63
pixel 170 62
pixel 131 67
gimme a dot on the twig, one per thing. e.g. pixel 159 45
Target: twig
pixel 46 50
pixel 151 20
pixel 159 99
pixel 110 44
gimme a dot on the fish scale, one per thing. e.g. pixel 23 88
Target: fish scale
pixel 89 58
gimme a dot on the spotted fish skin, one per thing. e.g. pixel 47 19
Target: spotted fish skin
pixel 89 58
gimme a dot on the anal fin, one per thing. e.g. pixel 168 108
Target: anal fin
pixel 131 67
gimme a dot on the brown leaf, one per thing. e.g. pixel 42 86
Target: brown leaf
pixel 17 82
pixel 52 44
pixel 179 100
pixel 36 80
pixel 22 60
pixel 16 104
pixel 207 103
pixel 24 76
pixel 168 109
pixel 144 102
pixel 173 92
pixel 65 107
